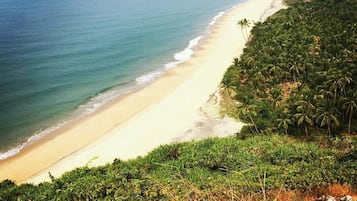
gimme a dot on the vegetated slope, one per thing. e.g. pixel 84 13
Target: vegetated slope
pixel 212 168
pixel 298 73
pixel 298 63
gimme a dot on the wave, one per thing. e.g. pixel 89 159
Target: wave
pixel 40 134
pixel 95 102
pixel 89 107
pixel 186 54
pixel 148 78
pixel 215 18
pixel 11 152
pixel 100 99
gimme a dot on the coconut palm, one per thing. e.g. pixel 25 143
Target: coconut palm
pixel 305 119
pixel 337 82
pixel 275 97
pixel 275 70
pixel 304 115
pixel 350 107
pixel 260 77
pixel 345 79
pixel 236 61
pixel 335 86
pixel 284 123
pixel 249 110
pixel 244 24
pixel 295 70
pixel 327 116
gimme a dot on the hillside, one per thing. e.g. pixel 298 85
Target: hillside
pixel 205 170
pixel 295 86
pixel 298 73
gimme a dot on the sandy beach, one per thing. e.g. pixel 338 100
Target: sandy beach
pixel 158 114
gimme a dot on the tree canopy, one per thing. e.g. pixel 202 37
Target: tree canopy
pixel 300 66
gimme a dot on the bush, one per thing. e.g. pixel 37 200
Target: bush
pixel 187 170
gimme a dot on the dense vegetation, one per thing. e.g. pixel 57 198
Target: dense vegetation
pixel 219 168
pixel 297 76
pixel 298 73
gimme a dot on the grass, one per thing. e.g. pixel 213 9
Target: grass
pixel 256 167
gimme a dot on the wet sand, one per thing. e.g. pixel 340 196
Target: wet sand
pixel 135 124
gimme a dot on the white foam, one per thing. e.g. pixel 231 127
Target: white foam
pixel 91 106
pixel 84 109
pixel 102 98
pixel 29 141
pixel 11 152
pixel 235 6
pixel 215 18
pixel 185 54
pixel 147 78
pixel 97 101
pixel 172 64
pixel 194 42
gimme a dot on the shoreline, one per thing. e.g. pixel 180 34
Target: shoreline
pixel 96 103
pixel 145 119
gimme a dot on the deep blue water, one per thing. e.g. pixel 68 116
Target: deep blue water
pixel 63 58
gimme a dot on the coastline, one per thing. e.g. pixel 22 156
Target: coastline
pixel 145 119
pixel 108 95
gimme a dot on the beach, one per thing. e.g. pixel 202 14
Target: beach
pixel 135 124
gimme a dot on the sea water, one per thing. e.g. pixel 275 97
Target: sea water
pixel 60 59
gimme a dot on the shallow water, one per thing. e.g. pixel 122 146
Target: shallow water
pixel 62 59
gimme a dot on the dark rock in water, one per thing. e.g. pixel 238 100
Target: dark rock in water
pixel 326 198
pixel 346 198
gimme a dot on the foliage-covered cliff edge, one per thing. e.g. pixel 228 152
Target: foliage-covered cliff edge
pixel 295 85
pixel 298 73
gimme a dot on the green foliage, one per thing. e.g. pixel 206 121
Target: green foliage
pixel 311 48
pixel 186 170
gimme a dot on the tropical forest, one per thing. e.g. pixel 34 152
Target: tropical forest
pixel 294 87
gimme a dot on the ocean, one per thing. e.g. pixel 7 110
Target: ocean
pixel 60 60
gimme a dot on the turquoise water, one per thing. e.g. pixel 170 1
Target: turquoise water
pixel 62 59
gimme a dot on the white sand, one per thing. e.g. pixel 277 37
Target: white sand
pixel 159 114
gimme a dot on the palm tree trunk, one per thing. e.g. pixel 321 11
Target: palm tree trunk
pixel 328 129
pixel 335 99
pixel 246 33
pixel 306 131
pixel 251 119
pixel 244 37
pixel 349 124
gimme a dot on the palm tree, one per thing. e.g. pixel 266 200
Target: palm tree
pixel 327 116
pixel 323 95
pixel 249 110
pixel 275 97
pixel 250 60
pixel 275 70
pixel 236 61
pixel 259 76
pixel 296 70
pixel 244 24
pixel 338 80
pixel 304 114
pixel 350 107
pixel 335 86
pixel 345 79
pixel 305 119
pixel 284 124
